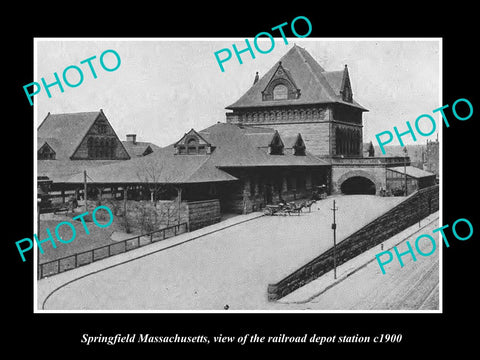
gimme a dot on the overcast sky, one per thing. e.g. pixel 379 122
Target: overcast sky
pixel 165 87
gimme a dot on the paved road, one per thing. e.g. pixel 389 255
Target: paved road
pixel 231 267
pixel 413 287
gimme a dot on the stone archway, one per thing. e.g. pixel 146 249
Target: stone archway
pixel 358 185
pixel 358 182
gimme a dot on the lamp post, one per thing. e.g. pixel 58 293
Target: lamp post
pixel 334 228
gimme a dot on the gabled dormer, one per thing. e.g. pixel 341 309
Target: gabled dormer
pixel 147 151
pixel 281 86
pixel 46 152
pixel 299 146
pixel 192 143
pixel 276 146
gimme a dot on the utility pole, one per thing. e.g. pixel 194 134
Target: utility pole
pixel 38 234
pixel 334 228
pixel 85 188
pixel 405 169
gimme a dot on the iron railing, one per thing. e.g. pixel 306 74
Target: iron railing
pixel 70 262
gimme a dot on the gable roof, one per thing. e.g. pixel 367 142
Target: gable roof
pixel 65 132
pixel 234 147
pixel 187 134
pixel 316 85
pixel 67 129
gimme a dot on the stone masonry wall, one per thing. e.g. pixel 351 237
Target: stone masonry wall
pixel 414 208
pixel 316 135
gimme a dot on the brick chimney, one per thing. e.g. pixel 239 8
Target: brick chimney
pixel 132 138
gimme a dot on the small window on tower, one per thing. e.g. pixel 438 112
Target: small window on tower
pixel 280 92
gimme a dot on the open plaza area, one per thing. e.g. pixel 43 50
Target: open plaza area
pixel 225 269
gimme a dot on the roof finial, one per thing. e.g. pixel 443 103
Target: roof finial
pixel 256 78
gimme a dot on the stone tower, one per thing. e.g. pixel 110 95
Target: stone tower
pixel 298 96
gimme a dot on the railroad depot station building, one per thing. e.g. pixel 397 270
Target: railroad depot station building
pixel 296 128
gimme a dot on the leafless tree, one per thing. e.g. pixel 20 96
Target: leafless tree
pixel 150 172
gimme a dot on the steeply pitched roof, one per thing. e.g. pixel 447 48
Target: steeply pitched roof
pixel 234 147
pixel 67 129
pixel 53 143
pixel 316 85
pixel 335 79
pixel 66 132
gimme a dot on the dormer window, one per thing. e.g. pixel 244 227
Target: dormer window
pixel 276 145
pixel 299 150
pixel 299 147
pixel 281 86
pixel 192 143
pixel 192 146
pixel 280 92
pixel 46 153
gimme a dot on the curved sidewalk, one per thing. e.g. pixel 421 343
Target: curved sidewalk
pixel 45 287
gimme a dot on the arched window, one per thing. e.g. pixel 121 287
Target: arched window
pixel 111 148
pixel 90 147
pixel 280 92
pixel 102 148
pixel 192 146
pixel 96 148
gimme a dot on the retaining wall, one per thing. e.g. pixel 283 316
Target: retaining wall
pixel 414 208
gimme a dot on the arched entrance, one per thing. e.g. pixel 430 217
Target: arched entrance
pixel 358 185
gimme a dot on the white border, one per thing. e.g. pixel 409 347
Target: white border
pixel 35 255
